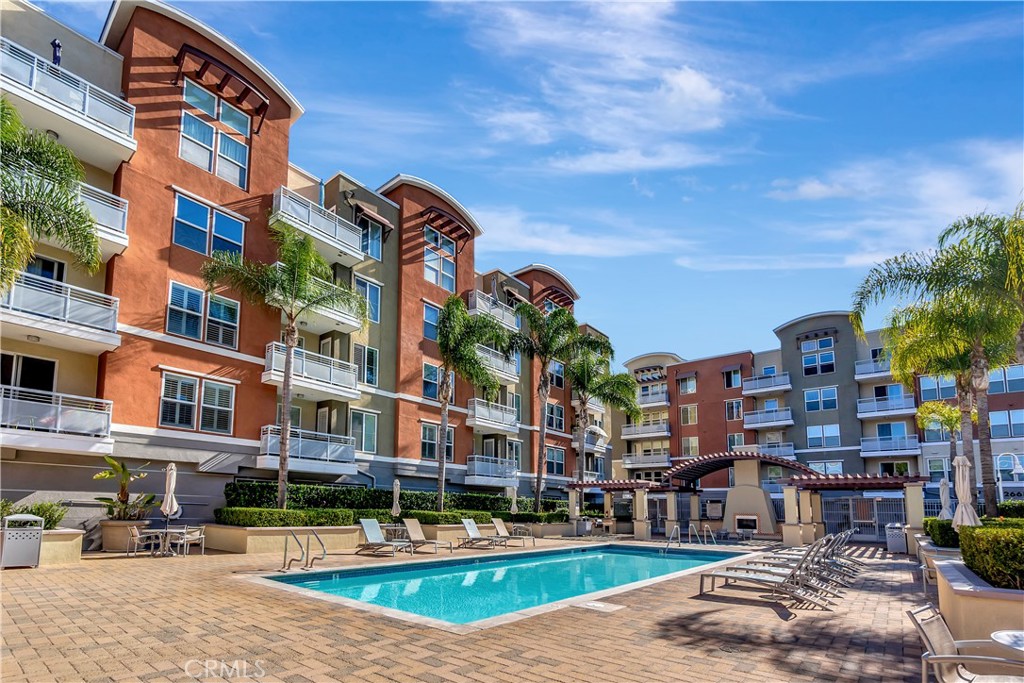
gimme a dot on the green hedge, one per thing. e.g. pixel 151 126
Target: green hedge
pixel 382 516
pixel 52 513
pixel 941 532
pixel 995 554
pixel 262 517
pixel 1011 508
pixel 432 516
pixel 998 523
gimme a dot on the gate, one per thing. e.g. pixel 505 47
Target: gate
pixel 657 511
pixel 868 515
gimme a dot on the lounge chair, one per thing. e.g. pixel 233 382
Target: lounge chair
pixel 499 527
pixel 375 542
pixel 947 658
pixel 416 537
pixel 474 539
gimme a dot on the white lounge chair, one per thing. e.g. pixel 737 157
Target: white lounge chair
pixel 474 539
pixel 948 659
pixel 416 537
pixel 376 544
pixel 502 531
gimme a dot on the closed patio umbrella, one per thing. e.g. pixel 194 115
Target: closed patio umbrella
pixel 964 484
pixel 170 505
pixel 945 512
pixel 396 490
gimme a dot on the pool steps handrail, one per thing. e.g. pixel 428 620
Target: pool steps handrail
pixel 677 534
pixel 692 532
pixel 707 530
pixel 323 549
pixel 286 564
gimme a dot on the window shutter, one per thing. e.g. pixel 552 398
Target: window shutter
pixel 359 360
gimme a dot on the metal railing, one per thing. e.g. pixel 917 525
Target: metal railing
pixel 871 367
pixel 306 445
pixel 593 476
pixel 65 89
pixel 55 300
pixel 317 219
pixel 312 366
pixel 659 459
pixel 771 486
pixel 652 398
pixel 591 439
pixel 757 417
pixel 884 405
pixel 485 303
pixel 496 361
pixel 638 430
pixel 875 444
pixel 47 411
pixel 340 309
pixel 592 403
pixel 493 412
pixel 108 210
pixel 779 450
pixel 487 466
pixel 766 382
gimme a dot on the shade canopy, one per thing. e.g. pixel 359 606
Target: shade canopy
pixel 945 512
pixel 396 492
pixel 964 482
pixel 170 505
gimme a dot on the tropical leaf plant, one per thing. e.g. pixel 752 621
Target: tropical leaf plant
pixel 124 506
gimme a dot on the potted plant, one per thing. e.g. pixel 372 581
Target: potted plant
pixel 124 511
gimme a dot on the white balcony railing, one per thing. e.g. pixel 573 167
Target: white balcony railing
pixel 55 300
pixel 881 444
pixel 487 466
pixel 871 367
pixel 779 450
pixel 306 445
pixel 108 210
pixel 46 411
pixel 654 459
pixel 496 361
pixel 643 429
pixel 337 311
pixel 760 417
pixel 765 382
pixel 592 440
pixel 489 305
pixel 657 398
pixel 65 89
pixel 496 413
pixel 316 219
pixel 885 405
pixel 312 366
pixel 593 476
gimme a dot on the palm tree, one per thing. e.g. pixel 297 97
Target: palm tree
pixel 547 337
pixel 590 377
pixel 297 284
pixel 39 182
pixel 946 416
pixel 458 334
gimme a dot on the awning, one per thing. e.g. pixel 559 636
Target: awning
pixel 687 375
pixel 370 211
pixel 730 368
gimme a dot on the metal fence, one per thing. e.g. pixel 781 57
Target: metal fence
pixel 932 508
pixel 780 509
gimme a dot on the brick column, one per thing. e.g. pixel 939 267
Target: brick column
pixel 671 513
pixel 806 520
pixel 913 501
pixel 791 525
pixel 641 525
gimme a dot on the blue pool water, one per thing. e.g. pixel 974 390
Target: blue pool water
pixel 466 590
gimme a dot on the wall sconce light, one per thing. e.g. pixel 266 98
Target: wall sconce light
pixel 33 338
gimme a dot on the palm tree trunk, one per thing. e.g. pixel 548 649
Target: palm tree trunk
pixel 988 474
pixel 581 455
pixel 964 402
pixel 543 390
pixel 444 391
pixel 291 337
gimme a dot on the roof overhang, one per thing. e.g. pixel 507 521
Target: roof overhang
pixel 550 271
pixel 403 179
pixel 613 485
pixel 689 471
pixel 852 482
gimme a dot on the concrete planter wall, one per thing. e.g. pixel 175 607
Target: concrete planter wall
pixel 453 532
pixel 549 530
pixel 972 608
pixel 116 534
pixel 61 546
pixel 251 540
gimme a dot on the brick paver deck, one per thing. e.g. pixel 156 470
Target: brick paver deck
pixel 158 619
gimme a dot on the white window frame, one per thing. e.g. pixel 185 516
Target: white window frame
pixel 365 287
pixel 881 467
pixel 689 443
pixel 732 379
pixel 449 455
pixel 229 131
pixel 200 336
pixel 197 389
pixel 691 385
pixel 426 323
pixel 688 414
pixel 820 348
pixel 438 255
pixel 817 397
pixel 554 415
pixel 436 382
pixel 555 457
pixel 734 439
pixel 556 373
pixel 230 409
pixel 364 416
pixel 819 431
pixel 211 321
pixel 514 451
pixel 826 466
pixel 367 240
pixel 736 414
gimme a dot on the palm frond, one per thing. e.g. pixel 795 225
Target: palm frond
pixel 256 282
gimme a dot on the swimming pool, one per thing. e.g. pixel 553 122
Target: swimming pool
pixel 479 589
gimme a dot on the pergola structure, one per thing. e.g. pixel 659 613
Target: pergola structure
pixel 689 471
pixel 639 489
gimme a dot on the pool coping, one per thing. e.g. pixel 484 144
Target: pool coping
pixel 502 619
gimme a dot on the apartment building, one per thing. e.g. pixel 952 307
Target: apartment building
pixel 184 140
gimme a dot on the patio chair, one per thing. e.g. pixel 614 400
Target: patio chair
pixel 474 539
pixel 139 540
pixel 499 527
pixel 416 537
pixel 192 535
pixel 376 544
pixel 947 658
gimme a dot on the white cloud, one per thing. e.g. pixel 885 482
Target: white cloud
pixel 655 158
pixel 641 189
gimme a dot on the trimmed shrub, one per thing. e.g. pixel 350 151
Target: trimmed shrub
pixel 995 554
pixel 52 513
pixel 337 517
pixel 998 523
pixel 432 516
pixel 265 517
pixel 941 532
pixel 1011 508
pixel 382 516
pixel 557 517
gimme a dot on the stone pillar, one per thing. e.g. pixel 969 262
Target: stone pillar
pixel 817 518
pixel 641 525
pixel 791 525
pixel 913 501
pixel 671 514
pixel 609 504
pixel 574 497
pixel 806 523
pixel 695 510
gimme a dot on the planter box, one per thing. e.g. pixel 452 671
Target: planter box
pixel 972 608
pixel 116 534
pixel 549 530
pixel 252 539
pixel 61 546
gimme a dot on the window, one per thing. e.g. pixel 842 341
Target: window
pixel 515 452
pixel 1005 465
pixel 826 398
pixel 365 360
pixel 196 145
pixel 371 237
pixel 431 315
pixel 689 446
pixel 439 259
pixel 734 409
pixel 892 430
pixel 516 401
pixel 556 373
pixel 218 407
pixel 232 160
pixel 214 123
pixel 938 469
pixel 688 414
pixel 428 442
pixel 300 341
pixel 363 428
pixel 827 466
pixel 768 371
pixel 1006 423
pixel 771 404
pixel 937 388
pixel 934 432
pixel 185 311
pixel 818 359
pixel 46 268
pixel 1008 379
pixel 774 473
pixel 430 381
pixel 178 402
pixel 222 322
pixel 234 118
pixel 735 441
pixel 823 436
pixel 201 98
pixel 732 379
pixel 556 460
pixel 555 417
pixel 296 412
pixel 894 469
pixel 688 385
pixel 192 228
pixel 550 306
pixel 370 292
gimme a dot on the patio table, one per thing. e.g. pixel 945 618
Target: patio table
pixel 165 538
pixel 395 532
pixel 1012 640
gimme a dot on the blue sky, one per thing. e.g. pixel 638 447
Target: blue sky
pixel 702 172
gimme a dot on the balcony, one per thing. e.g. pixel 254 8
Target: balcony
pixel 312 452
pixel 483 470
pixel 485 304
pixel 496 362
pixel 33 420
pixel 653 400
pixel 865 370
pixel 593 405
pixel 778 450
pixel 879 446
pixel 345 319
pixel 337 240
pixel 97 125
pixel 314 377
pixel 60 315
pixel 764 419
pixel 868 408
pixel 491 418
pixel 654 459
pixel 646 431
pixel 767 384
pixel 593 442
